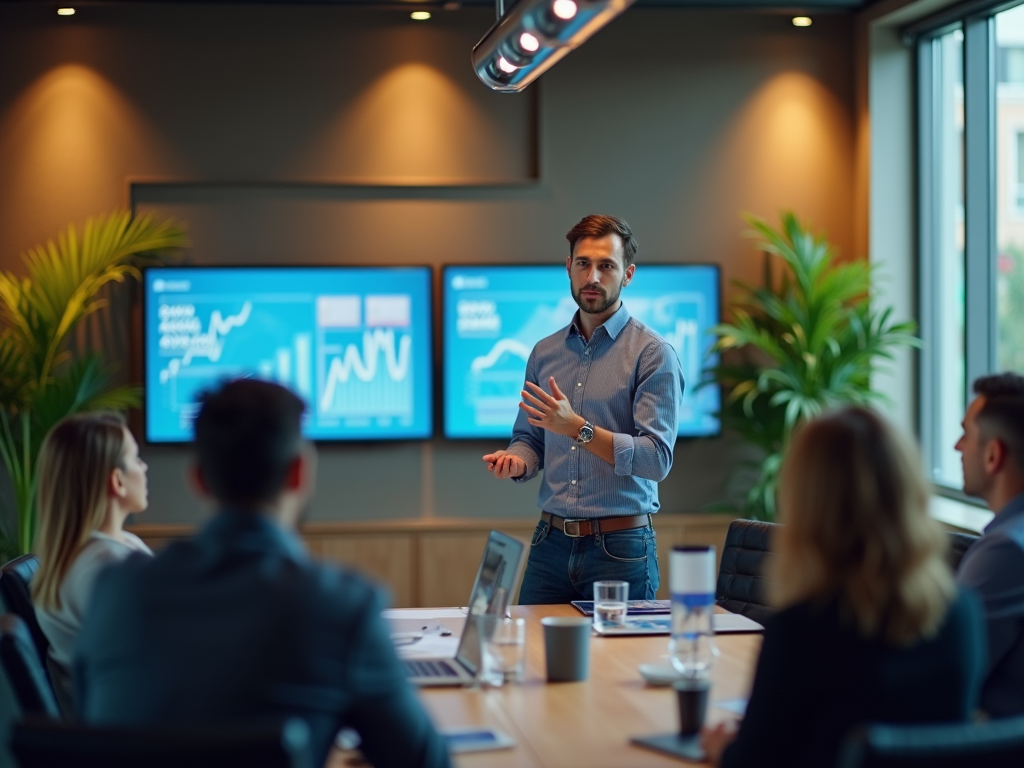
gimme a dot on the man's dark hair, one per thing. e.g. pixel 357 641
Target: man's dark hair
pixel 598 225
pixel 247 433
pixel 1002 416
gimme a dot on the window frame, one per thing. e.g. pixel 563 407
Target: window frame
pixel 980 200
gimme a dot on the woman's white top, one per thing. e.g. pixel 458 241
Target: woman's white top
pixel 61 626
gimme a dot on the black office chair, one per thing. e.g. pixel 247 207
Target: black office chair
pixel 741 583
pixel 51 744
pixel 959 543
pixel 993 744
pixel 24 673
pixel 15 577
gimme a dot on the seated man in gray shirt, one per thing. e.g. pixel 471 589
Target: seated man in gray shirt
pixel 239 623
pixel 992 449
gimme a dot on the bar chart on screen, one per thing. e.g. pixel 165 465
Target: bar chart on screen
pixel 354 343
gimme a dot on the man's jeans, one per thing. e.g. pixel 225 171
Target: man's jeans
pixel 562 569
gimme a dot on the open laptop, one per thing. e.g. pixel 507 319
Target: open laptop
pixel 495 581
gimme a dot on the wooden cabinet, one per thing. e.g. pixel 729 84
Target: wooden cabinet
pixel 432 562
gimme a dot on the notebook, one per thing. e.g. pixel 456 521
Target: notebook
pixel 495 581
pixel 634 607
pixel 662 625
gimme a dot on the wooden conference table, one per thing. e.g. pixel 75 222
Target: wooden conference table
pixel 564 725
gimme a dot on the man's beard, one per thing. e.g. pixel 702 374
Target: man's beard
pixel 598 307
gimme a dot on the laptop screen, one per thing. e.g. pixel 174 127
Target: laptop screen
pixel 492 590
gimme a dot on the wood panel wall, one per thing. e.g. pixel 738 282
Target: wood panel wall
pixel 433 562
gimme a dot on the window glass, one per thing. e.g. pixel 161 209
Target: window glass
pixel 947 353
pixel 1010 193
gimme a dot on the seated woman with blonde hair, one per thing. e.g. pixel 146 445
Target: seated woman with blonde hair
pixel 871 627
pixel 91 478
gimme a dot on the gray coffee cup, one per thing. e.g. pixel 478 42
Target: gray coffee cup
pixel 567 647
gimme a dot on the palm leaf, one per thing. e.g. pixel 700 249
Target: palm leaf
pixel 41 382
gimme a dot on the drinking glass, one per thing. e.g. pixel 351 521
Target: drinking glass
pixel 502 649
pixel 610 598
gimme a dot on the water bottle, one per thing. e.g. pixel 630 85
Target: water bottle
pixel 692 584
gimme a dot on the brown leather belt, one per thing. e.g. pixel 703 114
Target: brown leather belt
pixel 576 529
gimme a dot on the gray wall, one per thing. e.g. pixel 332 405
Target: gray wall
pixel 328 135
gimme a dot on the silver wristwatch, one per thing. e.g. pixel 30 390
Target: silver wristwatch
pixel 586 433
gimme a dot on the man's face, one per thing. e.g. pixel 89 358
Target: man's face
pixel 972 451
pixel 596 273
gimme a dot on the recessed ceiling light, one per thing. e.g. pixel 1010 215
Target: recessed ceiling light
pixel 802 21
pixel 419 15
pixel 65 11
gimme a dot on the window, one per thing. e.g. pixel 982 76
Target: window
pixel 971 225
pixel 1009 30
pixel 943 326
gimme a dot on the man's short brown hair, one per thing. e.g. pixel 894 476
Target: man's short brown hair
pixel 599 225
pixel 1002 415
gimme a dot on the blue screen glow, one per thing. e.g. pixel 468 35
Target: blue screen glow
pixel 355 343
pixel 494 315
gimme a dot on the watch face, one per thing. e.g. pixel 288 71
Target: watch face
pixel 586 433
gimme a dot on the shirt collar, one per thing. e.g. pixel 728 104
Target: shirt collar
pixel 613 325
pixel 255 531
pixel 1013 510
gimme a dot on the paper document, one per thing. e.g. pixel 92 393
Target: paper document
pixel 735 622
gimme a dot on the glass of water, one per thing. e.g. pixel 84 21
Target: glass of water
pixel 502 649
pixel 610 599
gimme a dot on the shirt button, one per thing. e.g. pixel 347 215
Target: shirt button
pixel 587 352
pixel 579 383
pixel 574 482
pixel 573 448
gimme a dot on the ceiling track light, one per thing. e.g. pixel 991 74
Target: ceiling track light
pixel 534 35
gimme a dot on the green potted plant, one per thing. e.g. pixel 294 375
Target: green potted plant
pixel 803 342
pixel 41 379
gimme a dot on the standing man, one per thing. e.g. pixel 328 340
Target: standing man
pixel 239 623
pixel 600 415
pixel 992 452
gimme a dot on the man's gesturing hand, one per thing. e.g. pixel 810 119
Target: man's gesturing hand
pixel 551 412
pixel 505 465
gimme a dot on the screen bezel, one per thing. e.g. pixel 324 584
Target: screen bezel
pixel 431 373
pixel 441 367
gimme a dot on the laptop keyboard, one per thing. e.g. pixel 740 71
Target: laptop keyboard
pixel 428 669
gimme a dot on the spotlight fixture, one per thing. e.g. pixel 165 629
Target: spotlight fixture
pixel 535 34
pixel 802 21
pixel 65 11
pixel 419 15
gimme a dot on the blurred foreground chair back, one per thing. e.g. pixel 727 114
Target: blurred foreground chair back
pixel 15 577
pixel 23 670
pixel 50 744
pixel 741 582
pixel 992 744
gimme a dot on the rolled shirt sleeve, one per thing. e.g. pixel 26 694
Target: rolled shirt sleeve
pixel 656 405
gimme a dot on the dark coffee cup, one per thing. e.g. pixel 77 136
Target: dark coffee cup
pixel 693 704
pixel 567 647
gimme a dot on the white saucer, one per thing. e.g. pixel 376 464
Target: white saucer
pixel 659 674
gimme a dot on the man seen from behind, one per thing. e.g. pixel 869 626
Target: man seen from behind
pixel 239 623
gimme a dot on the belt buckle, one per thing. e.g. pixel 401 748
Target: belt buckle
pixel 575 534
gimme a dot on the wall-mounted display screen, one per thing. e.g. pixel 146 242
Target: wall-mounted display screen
pixel 354 342
pixel 493 316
